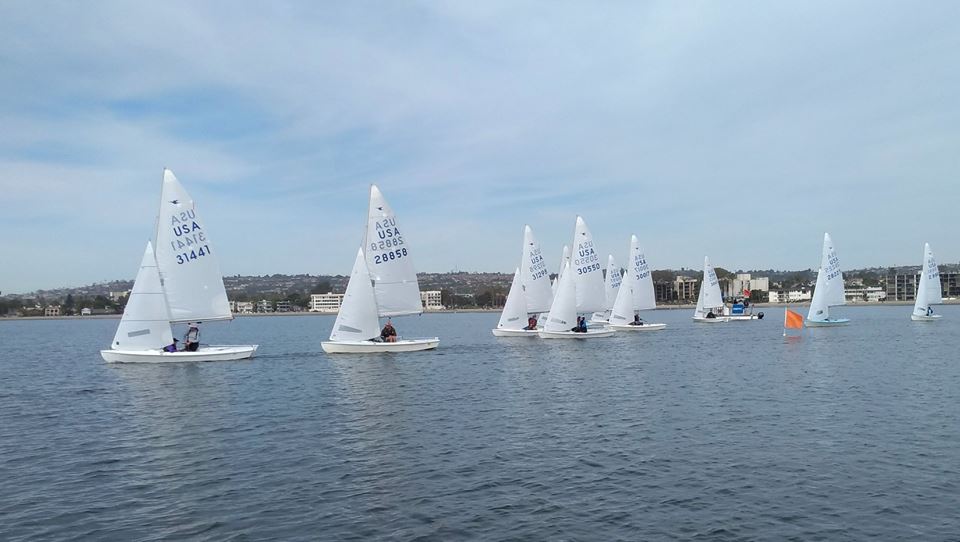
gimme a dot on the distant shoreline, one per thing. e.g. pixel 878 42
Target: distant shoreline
pixel 453 311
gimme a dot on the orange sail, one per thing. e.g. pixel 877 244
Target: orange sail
pixel 792 320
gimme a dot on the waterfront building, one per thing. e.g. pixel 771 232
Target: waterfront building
pixel 328 302
pixel 867 294
pixel 241 307
pixel 743 281
pixel 902 285
pixel 281 306
pixel 680 290
pixel 431 300
pixel 51 310
pixel 790 296
pixel 264 305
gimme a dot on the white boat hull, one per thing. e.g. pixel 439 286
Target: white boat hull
pixel 205 353
pixel 644 327
pixel 925 318
pixel 371 347
pixel 827 323
pixel 742 317
pixel 590 334
pixel 515 332
pixel 705 320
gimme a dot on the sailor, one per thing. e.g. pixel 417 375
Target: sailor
pixel 192 338
pixel 636 320
pixel 388 333
pixel 531 323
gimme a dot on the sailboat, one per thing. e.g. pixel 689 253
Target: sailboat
pixel 829 290
pixel 579 291
pixel 929 291
pixel 382 283
pixel 710 299
pixel 636 293
pixel 530 292
pixel 178 282
pixel 611 285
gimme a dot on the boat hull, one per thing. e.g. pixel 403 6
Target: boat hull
pixel 827 323
pixel 205 353
pixel 515 332
pixel 644 327
pixel 925 318
pixel 590 334
pixel 705 320
pixel 742 318
pixel 370 347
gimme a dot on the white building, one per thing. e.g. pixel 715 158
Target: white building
pixel 241 307
pixel 871 294
pixel 282 306
pixel 743 281
pixel 52 310
pixel 432 300
pixel 264 305
pixel 792 296
pixel 328 302
pixel 115 296
pixel 86 311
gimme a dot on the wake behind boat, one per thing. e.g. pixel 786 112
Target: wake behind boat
pixel 179 282
pixel 383 283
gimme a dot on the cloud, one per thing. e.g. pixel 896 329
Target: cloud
pixel 729 129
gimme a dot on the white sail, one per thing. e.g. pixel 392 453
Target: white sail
pixel 712 297
pixel 534 276
pixel 563 312
pixel 188 266
pixel 357 319
pixel 636 292
pixel 611 283
pixel 586 270
pixel 564 259
pixel 829 290
pixel 145 324
pixel 644 295
pixel 623 306
pixel 389 262
pixel 700 311
pixel 929 290
pixel 514 315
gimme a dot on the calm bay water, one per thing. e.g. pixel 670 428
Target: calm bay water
pixel 713 432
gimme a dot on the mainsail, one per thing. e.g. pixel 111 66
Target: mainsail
pixel 929 290
pixel 587 271
pixel 388 261
pixel 188 266
pixel 534 277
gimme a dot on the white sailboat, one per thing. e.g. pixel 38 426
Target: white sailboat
pixel 383 283
pixel 564 259
pixel 611 285
pixel 636 293
pixel 829 290
pixel 710 299
pixel 929 290
pixel 530 293
pixel 580 290
pixel 178 282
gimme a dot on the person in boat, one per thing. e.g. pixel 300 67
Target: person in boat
pixel 711 315
pixel 388 333
pixel 581 326
pixel 192 339
pixel 929 311
pixel 172 347
pixel 637 321
pixel 531 324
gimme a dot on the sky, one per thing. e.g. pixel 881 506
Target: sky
pixel 738 130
